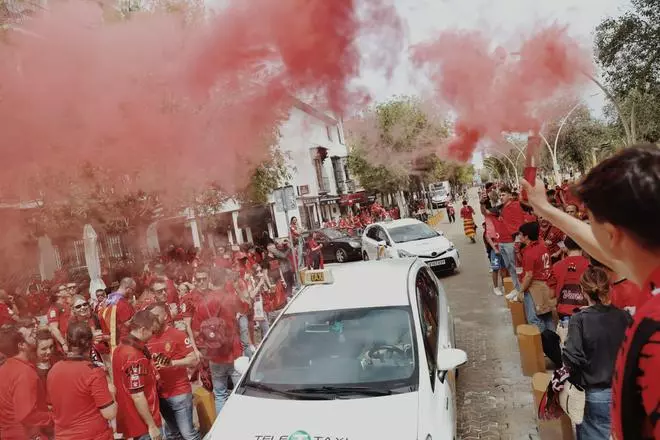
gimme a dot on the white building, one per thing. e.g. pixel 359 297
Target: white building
pixel 314 143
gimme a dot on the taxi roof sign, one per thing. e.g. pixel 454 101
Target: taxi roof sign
pixel 311 277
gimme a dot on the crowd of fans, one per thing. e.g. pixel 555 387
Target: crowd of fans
pixel 123 360
pixel 585 261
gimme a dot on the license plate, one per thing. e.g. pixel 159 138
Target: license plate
pixel 437 263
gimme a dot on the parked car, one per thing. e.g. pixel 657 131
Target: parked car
pixel 408 238
pixel 338 246
pixel 440 197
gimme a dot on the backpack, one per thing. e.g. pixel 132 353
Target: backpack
pixel 570 295
pixel 216 335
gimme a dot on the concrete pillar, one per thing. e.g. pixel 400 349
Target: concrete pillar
pixel 271 232
pixel 531 350
pixel 508 284
pixel 558 429
pixel 194 229
pixel 151 236
pixel 517 310
pixel 237 231
pixel 210 240
pixel 47 258
pixel 248 232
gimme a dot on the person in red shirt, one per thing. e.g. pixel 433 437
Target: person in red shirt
pixel 451 213
pixel 136 379
pixel 566 275
pixel 536 273
pixel 622 199
pixel 21 416
pixel 294 235
pixel 566 195
pixel 314 254
pixel 45 357
pixel 512 216
pixel 79 392
pixel 174 354
pixel 572 210
pixel 82 312
pixel 117 311
pixel 469 228
pixel 156 293
pixel 58 317
pixel 216 328
pixel 8 315
pixel 553 238
pixel 172 294
pixel 101 296
pixel 625 294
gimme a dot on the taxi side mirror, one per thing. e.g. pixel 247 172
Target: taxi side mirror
pixel 449 359
pixel 241 364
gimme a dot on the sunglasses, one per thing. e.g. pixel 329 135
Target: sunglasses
pixel 80 306
pixel 161 290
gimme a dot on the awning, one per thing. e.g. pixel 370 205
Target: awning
pixel 329 200
pixel 309 201
pixel 351 199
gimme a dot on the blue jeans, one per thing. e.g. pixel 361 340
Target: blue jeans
pixel 177 412
pixel 544 321
pixel 596 422
pixel 220 374
pixel 244 329
pixel 508 254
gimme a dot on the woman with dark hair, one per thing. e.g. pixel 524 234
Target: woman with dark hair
pixel 79 392
pixel 595 334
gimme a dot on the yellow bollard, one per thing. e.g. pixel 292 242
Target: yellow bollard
pixel 205 404
pixel 531 350
pixel 508 284
pixel 558 429
pixel 517 310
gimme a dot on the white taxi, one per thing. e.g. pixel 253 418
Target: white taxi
pixel 409 237
pixel 363 352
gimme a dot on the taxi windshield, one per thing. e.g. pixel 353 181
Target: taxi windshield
pixel 416 231
pixel 354 352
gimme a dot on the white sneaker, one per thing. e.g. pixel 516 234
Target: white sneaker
pixel 498 291
pixel 512 296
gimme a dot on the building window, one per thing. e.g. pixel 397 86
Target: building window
pixel 318 166
pixel 328 130
pixel 340 135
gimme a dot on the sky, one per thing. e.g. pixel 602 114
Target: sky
pixel 505 21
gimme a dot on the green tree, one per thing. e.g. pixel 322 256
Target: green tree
pixel 628 50
pixel 271 174
pixel 394 141
pixel 572 141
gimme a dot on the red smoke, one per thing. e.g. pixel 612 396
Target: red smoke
pixel 492 93
pixel 172 105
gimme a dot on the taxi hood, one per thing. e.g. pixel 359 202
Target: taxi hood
pixel 425 247
pixel 256 418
